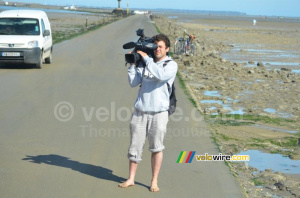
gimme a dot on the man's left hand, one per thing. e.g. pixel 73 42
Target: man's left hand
pixel 143 54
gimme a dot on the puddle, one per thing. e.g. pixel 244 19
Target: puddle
pixel 275 129
pixel 247 82
pixel 225 106
pixel 285 115
pixel 276 162
pixel 212 93
pixel 281 64
pixel 238 112
pixel 212 102
pixel 269 110
pixel 297 71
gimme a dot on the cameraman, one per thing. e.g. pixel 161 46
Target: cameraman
pixel 150 116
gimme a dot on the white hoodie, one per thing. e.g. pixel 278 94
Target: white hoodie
pixel 153 95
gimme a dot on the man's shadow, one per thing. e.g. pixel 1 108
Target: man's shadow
pixel 88 169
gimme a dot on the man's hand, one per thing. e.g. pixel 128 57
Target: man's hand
pixel 143 54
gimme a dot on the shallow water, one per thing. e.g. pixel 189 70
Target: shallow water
pixel 275 129
pixel 225 106
pixel 276 162
pixel 259 53
pixel 212 93
pixel 269 110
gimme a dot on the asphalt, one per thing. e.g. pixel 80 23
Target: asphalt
pixel 64 129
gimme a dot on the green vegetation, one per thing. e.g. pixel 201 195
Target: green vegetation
pixel 183 86
pixel 290 142
pixel 258 182
pixel 232 122
pixel 157 29
pixel 257 145
pixel 258 140
pixel 285 142
pixel 62 36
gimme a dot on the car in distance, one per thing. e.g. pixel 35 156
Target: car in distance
pixel 25 37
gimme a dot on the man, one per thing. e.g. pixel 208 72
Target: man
pixel 150 116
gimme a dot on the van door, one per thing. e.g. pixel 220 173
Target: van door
pixel 47 41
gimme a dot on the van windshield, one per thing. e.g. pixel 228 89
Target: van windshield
pixel 19 26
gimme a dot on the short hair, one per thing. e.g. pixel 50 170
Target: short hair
pixel 162 37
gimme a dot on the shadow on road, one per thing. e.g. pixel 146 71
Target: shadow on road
pixel 88 169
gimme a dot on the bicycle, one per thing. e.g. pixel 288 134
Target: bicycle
pixel 179 46
pixel 183 45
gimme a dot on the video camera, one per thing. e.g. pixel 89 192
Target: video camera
pixel 144 44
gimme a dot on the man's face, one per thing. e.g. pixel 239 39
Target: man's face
pixel 161 52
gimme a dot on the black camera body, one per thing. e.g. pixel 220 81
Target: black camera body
pixel 144 44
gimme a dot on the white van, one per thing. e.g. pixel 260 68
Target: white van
pixel 25 37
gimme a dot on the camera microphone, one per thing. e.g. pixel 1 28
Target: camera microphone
pixel 129 45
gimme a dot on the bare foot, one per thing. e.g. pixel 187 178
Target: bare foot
pixel 126 184
pixel 154 187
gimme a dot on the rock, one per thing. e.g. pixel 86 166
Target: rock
pixel 268 195
pixel 260 64
pixel 287 80
pixel 246 165
pixel 278 177
pixel 223 60
pixel 186 63
pixel 282 106
pixel 237 64
pixel 280 186
pixel 272 187
pixel 285 69
pixel 222 110
pixel 175 56
pixel 206 110
pixel 251 72
pixel 214 54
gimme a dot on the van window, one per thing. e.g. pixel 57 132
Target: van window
pixel 19 26
pixel 43 26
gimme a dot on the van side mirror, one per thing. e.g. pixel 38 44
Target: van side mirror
pixel 46 33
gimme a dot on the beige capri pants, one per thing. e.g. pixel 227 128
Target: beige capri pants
pixel 146 124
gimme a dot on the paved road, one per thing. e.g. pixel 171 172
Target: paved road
pixel 65 128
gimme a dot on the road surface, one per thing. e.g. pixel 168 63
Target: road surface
pixel 65 128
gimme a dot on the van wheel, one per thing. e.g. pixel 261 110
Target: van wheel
pixel 49 59
pixel 39 65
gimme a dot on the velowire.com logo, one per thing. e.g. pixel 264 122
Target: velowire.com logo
pixel 188 159
pixel 209 158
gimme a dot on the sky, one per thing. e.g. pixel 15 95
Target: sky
pixel 251 7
